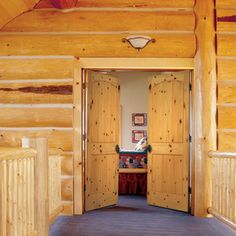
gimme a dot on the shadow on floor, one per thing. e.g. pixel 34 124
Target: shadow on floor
pixel 133 217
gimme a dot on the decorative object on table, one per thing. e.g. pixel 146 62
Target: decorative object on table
pixel 139 119
pixel 133 159
pixel 64 4
pixel 141 145
pixel 137 135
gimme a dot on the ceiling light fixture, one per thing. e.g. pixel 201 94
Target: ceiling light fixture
pixel 138 41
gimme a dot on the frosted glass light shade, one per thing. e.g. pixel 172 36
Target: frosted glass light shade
pixel 138 41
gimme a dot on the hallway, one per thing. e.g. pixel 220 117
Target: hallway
pixel 132 217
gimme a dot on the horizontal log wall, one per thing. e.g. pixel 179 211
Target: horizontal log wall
pixel 36 101
pixel 126 3
pixel 37 92
pixel 226 69
pixel 97 45
pixel 76 32
pixel 97 21
pixel 11 9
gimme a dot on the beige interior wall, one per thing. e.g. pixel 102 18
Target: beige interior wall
pixel 133 99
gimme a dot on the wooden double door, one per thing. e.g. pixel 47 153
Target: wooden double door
pixel 168 135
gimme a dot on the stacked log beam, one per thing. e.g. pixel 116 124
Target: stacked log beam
pixel 226 66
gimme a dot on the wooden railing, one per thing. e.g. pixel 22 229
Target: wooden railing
pixel 224 187
pixel 17 205
pixel 30 189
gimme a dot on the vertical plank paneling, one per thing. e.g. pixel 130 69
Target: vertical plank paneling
pixel 223 187
pixel 17 193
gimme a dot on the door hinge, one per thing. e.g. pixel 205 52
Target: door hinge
pixel 84 85
pixel 85 188
pixel 190 87
pixel 189 190
pixel 190 138
pixel 84 137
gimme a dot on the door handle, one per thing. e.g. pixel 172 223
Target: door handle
pixel 117 149
pixel 149 148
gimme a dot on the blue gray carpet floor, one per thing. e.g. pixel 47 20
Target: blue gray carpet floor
pixel 133 217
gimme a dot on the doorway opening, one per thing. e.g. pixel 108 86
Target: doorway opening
pixel 136 125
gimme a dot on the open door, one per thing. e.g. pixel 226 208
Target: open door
pixel 102 161
pixel 168 134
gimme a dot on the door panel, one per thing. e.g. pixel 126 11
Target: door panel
pixel 168 132
pixel 103 134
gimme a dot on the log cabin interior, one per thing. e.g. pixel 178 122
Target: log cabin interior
pixel 82 81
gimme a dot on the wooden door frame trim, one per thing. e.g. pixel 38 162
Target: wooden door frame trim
pixel 111 63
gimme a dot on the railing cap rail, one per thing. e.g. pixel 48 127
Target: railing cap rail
pixel 7 153
pixel 218 154
pixel 55 151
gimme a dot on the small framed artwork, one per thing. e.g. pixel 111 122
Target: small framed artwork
pixel 137 135
pixel 139 119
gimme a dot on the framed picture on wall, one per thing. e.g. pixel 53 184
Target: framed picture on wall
pixel 137 135
pixel 139 119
